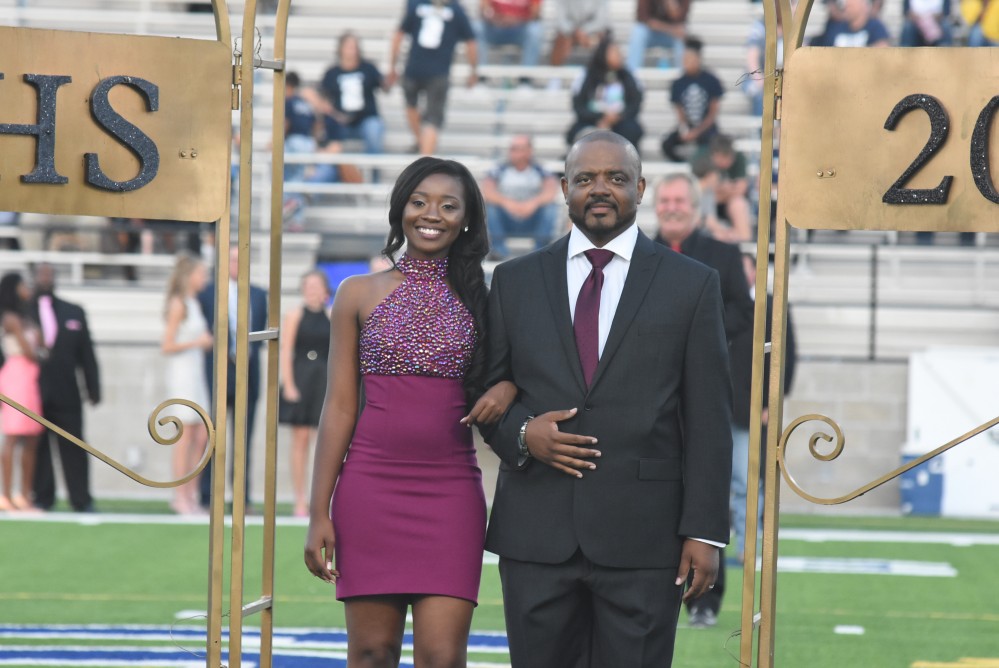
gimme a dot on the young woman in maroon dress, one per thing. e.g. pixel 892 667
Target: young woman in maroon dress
pixel 396 491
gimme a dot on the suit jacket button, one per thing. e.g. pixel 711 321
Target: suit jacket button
pixel 586 408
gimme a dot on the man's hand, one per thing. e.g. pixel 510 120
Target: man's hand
pixel 559 449
pixel 701 558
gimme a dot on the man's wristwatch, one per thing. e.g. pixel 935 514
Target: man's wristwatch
pixel 522 438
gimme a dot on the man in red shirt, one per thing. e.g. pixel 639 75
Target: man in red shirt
pixel 516 22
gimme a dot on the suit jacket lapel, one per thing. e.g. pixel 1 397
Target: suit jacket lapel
pixel 554 260
pixel 643 265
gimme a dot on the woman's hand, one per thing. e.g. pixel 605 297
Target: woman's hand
pixel 320 542
pixel 492 405
pixel 291 393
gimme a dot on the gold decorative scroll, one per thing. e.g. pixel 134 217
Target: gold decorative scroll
pixel 839 442
pixel 154 422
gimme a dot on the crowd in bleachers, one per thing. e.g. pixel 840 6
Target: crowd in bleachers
pixel 629 49
pixel 608 91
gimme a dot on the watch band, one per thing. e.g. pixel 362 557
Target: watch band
pixel 522 438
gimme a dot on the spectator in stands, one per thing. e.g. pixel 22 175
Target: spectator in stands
pixel 606 96
pixel 757 79
pixel 348 90
pixel 660 23
pixel 20 344
pixel 982 17
pixel 10 221
pixel 434 27
pixel 305 343
pixel 726 181
pixel 927 23
pixel 511 22
pixel 185 340
pixel 299 137
pixel 578 23
pixel 258 322
pixel 696 97
pixel 70 356
pixel 519 195
pixel 858 27
pixel 835 10
pixel 676 204
pixel 677 212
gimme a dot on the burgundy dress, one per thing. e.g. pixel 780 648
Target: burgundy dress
pixel 408 509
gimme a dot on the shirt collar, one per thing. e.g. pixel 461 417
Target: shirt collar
pixel 623 245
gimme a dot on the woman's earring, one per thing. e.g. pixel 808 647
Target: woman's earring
pixel 466 229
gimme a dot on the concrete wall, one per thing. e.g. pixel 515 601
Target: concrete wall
pixel 868 401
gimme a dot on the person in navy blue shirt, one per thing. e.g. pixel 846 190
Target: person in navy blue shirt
pixel 696 97
pixel 434 27
pixel 299 137
pixel 349 88
pixel 859 27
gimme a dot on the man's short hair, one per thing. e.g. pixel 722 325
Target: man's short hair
pixel 693 44
pixel 693 188
pixel 721 144
pixel 610 137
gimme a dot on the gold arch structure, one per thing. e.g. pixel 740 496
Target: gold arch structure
pixel 245 59
pixel 820 189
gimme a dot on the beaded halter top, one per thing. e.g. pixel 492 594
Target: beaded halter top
pixel 421 328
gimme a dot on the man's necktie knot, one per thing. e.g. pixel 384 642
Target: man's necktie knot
pixel 599 257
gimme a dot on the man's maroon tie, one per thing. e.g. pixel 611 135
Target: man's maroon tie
pixel 586 324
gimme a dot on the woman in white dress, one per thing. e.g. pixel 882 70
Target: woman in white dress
pixel 185 340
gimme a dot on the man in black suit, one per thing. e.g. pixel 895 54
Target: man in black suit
pixel 677 211
pixel 616 455
pixel 258 322
pixel 68 349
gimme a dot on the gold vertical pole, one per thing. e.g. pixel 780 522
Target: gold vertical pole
pixel 770 83
pixel 216 522
pixel 771 504
pixel 242 336
pixel 794 29
pixel 273 344
pixel 216 541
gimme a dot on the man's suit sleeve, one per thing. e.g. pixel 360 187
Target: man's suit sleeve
pixel 88 361
pixel 706 413
pixel 739 309
pixel 502 436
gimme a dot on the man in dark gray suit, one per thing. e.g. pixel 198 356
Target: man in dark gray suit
pixel 616 456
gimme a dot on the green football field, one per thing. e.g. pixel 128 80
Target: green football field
pixel 868 592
